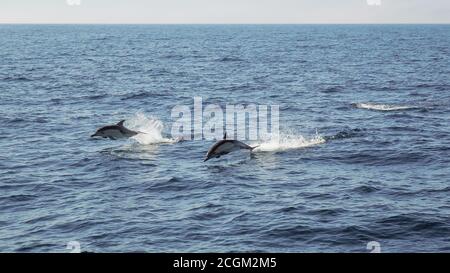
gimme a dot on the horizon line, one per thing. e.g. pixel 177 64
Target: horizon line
pixel 316 23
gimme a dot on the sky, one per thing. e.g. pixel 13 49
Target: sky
pixel 224 11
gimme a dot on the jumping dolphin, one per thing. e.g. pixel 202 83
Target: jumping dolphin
pixel 224 146
pixel 115 131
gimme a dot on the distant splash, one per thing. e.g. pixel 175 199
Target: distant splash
pixel 151 128
pixel 291 141
pixel 383 107
pixel 288 142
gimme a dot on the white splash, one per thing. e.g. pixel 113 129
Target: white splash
pixel 383 107
pixel 150 129
pixel 288 142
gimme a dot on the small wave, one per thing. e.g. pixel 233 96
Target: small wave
pixel 173 56
pixel 139 95
pixel 364 189
pixel 230 59
pixel 425 224
pixel 142 95
pixel 293 232
pixel 175 184
pixel 17 78
pixel 17 198
pixel 328 211
pixel 383 107
pixel 288 142
pixel 422 192
pixel 238 87
pixel 151 129
pixel 346 134
pixel 97 96
pixel 332 89
pixel 16 120
pixel 438 87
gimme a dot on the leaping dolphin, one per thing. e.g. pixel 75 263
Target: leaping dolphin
pixel 115 131
pixel 225 146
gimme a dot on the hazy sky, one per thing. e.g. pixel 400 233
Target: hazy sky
pixel 224 11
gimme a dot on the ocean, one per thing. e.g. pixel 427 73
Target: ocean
pixel 362 155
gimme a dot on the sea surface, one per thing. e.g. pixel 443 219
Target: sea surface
pixel 363 153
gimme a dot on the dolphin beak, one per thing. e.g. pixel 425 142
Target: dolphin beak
pixel 93 135
pixel 206 159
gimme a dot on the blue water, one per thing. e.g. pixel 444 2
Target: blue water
pixel 377 96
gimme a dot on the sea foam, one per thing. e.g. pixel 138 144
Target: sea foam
pixel 383 107
pixel 288 141
pixel 150 128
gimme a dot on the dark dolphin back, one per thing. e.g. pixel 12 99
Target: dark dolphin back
pixel 216 145
pixel 223 141
pixel 109 127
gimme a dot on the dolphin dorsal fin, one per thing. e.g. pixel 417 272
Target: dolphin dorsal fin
pixel 225 135
pixel 120 123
